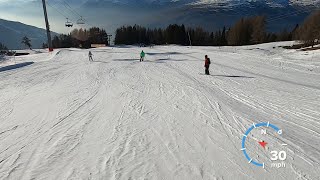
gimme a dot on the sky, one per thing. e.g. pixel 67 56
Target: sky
pixel 31 12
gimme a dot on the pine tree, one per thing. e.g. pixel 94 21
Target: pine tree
pixel 44 45
pixel 26 41
pixel 56 42
pixel 3 47
pixel 224 41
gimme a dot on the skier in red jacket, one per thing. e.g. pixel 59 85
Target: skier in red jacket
pixel 207 65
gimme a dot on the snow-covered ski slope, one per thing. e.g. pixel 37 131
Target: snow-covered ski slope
pixel 63 117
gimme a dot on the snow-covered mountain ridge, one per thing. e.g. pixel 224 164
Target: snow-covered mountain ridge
pixel 212 3
pixel 12 33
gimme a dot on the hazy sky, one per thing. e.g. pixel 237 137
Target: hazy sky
pixel 31 12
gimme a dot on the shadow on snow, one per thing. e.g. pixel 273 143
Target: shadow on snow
pixel 125 59
pixel 166 53
pixel 231 76
pixel 15 66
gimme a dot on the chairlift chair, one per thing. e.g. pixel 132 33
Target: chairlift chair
pixel 68 23
pixel 80 21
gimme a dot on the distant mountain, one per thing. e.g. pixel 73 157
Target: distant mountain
pixel 11 34
pixel 270 3
pixel 211 14
pixel 212 3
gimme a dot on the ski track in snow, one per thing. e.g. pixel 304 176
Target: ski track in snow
pixel 64 117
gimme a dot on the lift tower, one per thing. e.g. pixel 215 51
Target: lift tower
pixel 47 25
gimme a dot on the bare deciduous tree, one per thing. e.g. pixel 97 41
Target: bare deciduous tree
pixel 310 29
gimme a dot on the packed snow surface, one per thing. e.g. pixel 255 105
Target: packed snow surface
pixel 64 117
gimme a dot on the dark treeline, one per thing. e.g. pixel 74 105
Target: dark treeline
pixel 80 38
pixel 129 35
pixel 246 31
pixel 173 34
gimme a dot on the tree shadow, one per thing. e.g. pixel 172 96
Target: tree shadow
pixel 126 60
pixel 36 51
pixel 100 62
pixel 158 62
pixel 168 59
pixel 15 66
pixel 231 76
pixel 166 53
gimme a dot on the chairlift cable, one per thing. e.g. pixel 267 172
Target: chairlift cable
pixel 62 8
pixel 54 8
pixel 68 23
pixel 70 8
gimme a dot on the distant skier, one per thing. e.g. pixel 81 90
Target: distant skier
pixel 207 63
pixel 90 56
pixel 142 55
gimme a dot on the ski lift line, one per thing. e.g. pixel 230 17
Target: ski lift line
pixel 80 21
pixel 61 8
pixel 68 23
pixel 73 14
pixel 57 10
pixel 67 5
pixel 67 11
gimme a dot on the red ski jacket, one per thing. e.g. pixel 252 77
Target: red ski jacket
pixel 207 62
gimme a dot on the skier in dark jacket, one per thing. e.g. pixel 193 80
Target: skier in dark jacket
pixel 90 56
pixel 207 63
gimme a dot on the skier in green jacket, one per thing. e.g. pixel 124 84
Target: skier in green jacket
pixel 142 55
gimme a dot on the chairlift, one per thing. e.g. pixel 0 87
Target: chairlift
pixel 68 23
pixel 80 21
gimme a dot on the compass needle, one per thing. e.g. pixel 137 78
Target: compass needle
pixel 263 144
